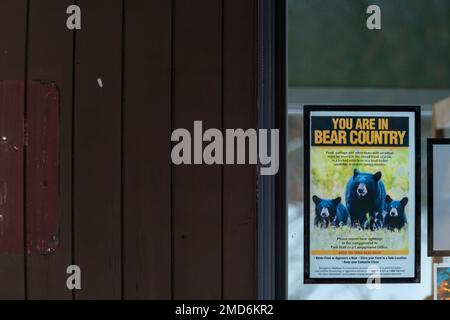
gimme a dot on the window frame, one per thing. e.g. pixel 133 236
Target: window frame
pixel 272 114
pixel 430 196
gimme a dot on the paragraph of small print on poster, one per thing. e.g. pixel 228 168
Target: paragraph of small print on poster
pixel 362 194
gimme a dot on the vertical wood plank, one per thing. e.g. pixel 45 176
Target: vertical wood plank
pixel 97 149
pixel 11 190
pixel 11 151
pixel 13 19
pixel 240 111
pixel 197 189
pixel 147 169
pixel 50 52
pixel 41 187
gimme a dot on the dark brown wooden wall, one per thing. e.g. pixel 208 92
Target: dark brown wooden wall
pixel 139 227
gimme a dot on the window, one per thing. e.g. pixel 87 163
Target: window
pixel 333 59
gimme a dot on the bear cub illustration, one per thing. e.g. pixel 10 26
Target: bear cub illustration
pixel 365 198
pixel 395 218
pixel 330 213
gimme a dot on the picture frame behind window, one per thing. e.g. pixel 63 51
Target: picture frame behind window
pixel 441 281
pixel 438 197
pixel 362 194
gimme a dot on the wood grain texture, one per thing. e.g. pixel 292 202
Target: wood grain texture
pixel 147 169
pixel 42 190
pixel 13 18
pixel 240 107
pixel 42 168
pixel 50 48
pixel 185 232
pixel 97 150
pixel 197 189
pixel 11 168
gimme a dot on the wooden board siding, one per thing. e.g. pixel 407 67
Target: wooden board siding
pixel 146 150
pixel 11 192
pixel 97 150
pixel 50 55
pixel 41 168
pixel 28 175
pixel 13 26
pixel 11 183
pixel 239 194
pixel 138 226
pixel 197 190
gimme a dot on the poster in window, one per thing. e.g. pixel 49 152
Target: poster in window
pixel 362 194
pixel 438 197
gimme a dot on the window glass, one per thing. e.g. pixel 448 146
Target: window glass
pixel 333 59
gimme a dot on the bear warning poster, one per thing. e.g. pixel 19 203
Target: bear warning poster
pixel 362 200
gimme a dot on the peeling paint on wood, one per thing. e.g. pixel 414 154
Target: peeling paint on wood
pixel 42 168
pixel 40 152
pixel 11 167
